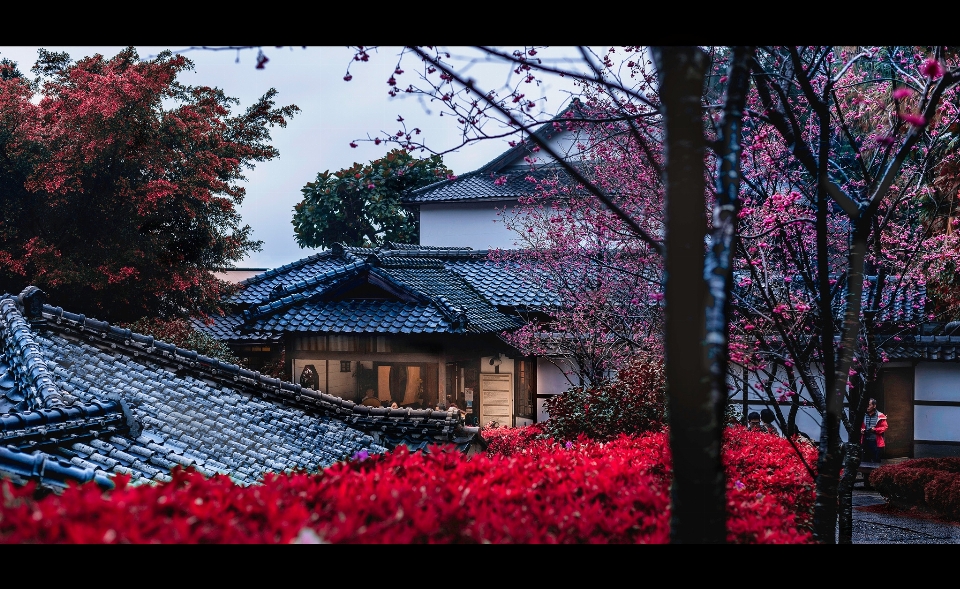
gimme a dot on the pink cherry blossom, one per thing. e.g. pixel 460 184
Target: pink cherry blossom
pixel 931 68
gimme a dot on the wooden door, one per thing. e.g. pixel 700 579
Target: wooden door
pixel 896 402
pixel 496 398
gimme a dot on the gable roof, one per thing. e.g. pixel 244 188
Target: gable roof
pixel 82 400
pixel 505 177
pixel 433 290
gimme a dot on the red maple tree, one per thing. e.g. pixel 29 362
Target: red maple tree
pixel 121 185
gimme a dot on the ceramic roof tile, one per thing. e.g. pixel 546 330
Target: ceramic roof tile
pixel 486 185
pixel 258 287
pixel 155 406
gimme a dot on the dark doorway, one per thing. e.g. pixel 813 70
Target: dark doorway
pixel 896 402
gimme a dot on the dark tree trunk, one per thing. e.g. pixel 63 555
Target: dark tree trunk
pixel 718 267
pixel 698 501
pixel 858 406
pixel 851 464
pixel 830 457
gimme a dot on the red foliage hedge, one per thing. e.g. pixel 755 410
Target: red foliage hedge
pixel 930 483
pixel 525 489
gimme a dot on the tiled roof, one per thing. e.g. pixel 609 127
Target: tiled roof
pixel 354 317
pixel 504 177
pixel 95 400
pixel 257 288
pixel 926 347
pixel 502 285
pixel 434 290
pixel 902 303
pixel 456 295
pixel 226 328
pixel 484 185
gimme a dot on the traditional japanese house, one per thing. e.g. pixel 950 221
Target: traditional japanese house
pixel 83 400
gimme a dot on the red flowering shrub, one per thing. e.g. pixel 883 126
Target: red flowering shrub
pixel 526 490
pixel 770 492
pixel 633 403
pixel 930 483
pixel 506 441
pixel 942 495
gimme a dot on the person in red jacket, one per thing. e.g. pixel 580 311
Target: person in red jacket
pixel 871 432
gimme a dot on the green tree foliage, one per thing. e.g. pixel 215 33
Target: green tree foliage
pixel 632 403
pixel 361 206
pixel 8 69
pixel 119 186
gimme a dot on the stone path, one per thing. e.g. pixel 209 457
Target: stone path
pixel 879 528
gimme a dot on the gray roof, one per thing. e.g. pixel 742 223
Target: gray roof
pixel 922 347
pixel 480 185
pixel 505 177
pixel 903 302
pixel 83 400
pixel 417 290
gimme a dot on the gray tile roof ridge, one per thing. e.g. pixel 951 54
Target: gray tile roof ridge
pixel 286 267
pixel 384 274
pixel 281 292
pixel 334 278
pixel 49 470
pixel 355 256
pixel 393 245
pixel 23 352
pixel 458 319
pixel 432 252
pixel 74 414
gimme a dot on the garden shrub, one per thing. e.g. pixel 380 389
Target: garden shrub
pixel 633 403
pixel 527 489
pixel 770 493
pixel 942 495
pixel 930 483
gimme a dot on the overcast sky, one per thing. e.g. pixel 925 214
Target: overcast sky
pixel 333 113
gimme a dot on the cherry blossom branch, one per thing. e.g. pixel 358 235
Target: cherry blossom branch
pixel 546 147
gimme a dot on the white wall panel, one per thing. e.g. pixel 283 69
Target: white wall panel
pixel 463 224
pixel 936 423
pixel 542 414
pixel 550 378
pixel 936 381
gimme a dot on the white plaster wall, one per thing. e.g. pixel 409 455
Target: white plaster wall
pixel 542 414
pixel 506 365
pixel 343 384
pixel 808 418
pixel 475 225
pixel 550 381
pixel 936 423
pixel 550 378
pixel 935 381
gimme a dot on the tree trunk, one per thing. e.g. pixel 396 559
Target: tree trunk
pixel 851 464
pixel 698 498
pixel 830 457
